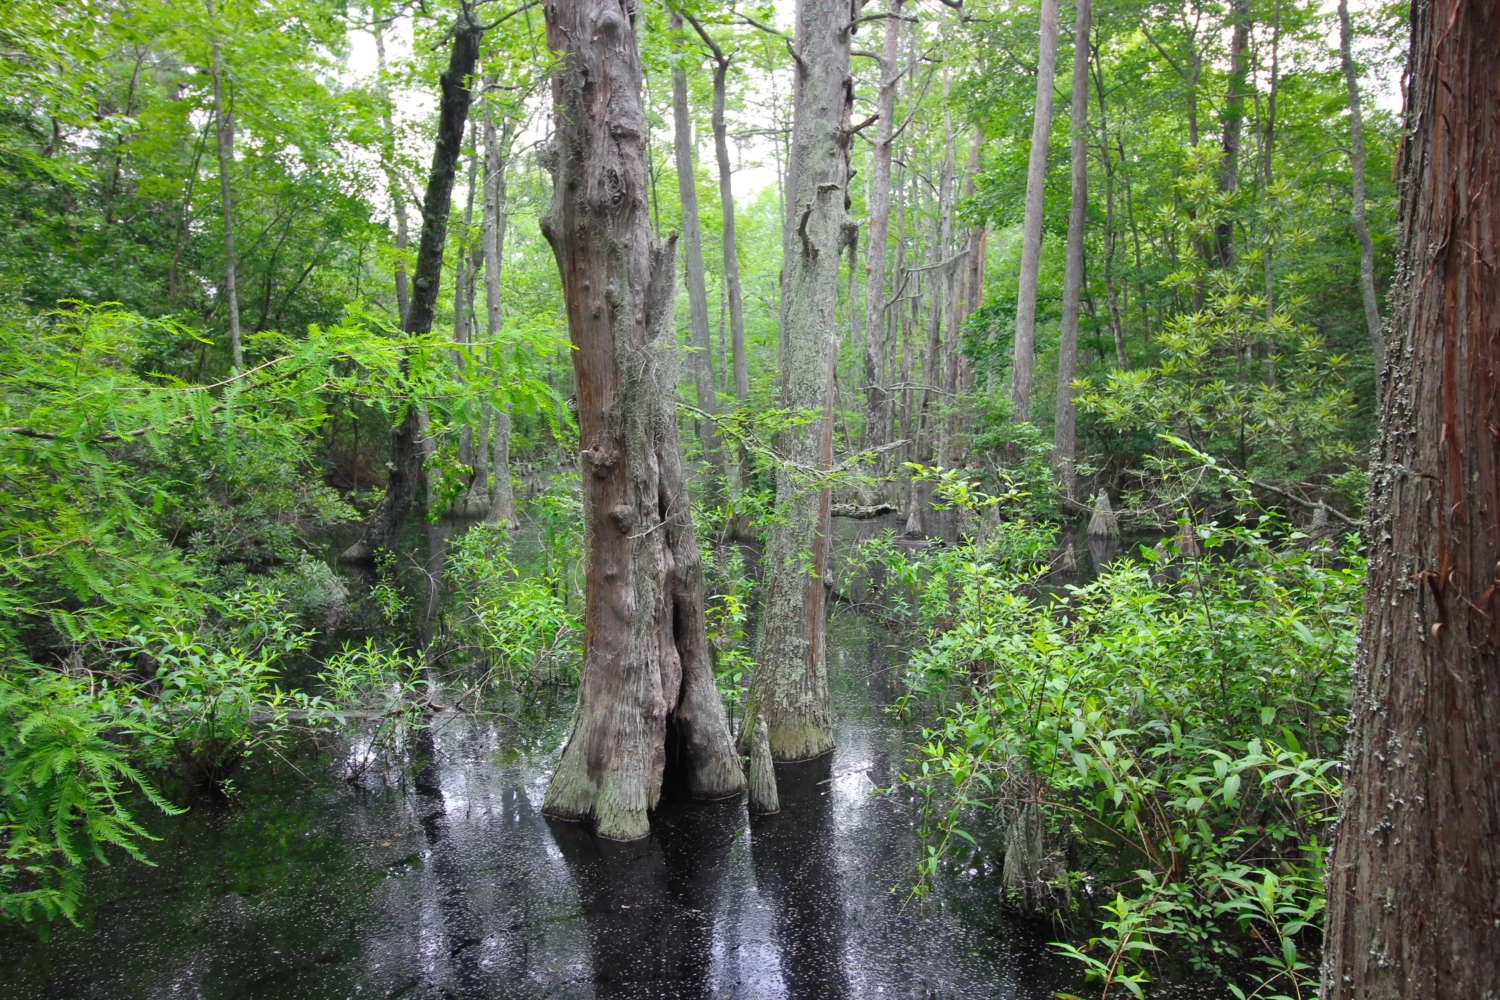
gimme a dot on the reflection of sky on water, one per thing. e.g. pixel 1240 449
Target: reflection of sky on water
pixel 456 887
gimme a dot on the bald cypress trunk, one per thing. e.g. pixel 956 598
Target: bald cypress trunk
pixel 646 671
pixel 790 686
pixel 1412 905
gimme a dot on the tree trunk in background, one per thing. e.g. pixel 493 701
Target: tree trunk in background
pixel 1031 228
pixel 225 132
pixel 790 686
pixel 646 671
pixel 406 485
pixel 878 428
pixel 1412 906
pixel 1065 440
pixel 465 267
pixel 1234 117
pixel 1357 210
pixel 700 357
pixel 726 206
pixel 393 182
pixel 496 154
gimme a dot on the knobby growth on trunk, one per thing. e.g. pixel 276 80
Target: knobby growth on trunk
pixel 1412 905
pixel 790 686
pixel 646 673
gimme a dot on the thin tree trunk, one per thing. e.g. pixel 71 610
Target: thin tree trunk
pixel 1412 906
pixel 726 206
pixel 225 129
pixel 496 158
pixel 700 358
pixel 1234 116
pixel 1065 440
pixel 406 484
pixel 790 686
pixel 465 266
pixel 1357 210
pixel 393 183
pixel 878 413
pixel 646 675
pixel 1031 227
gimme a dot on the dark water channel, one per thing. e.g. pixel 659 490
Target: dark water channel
pixel 450 883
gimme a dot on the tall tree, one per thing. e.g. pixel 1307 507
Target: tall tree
pixel 1031 226
pixel 1065 438
pixel 646 670
pixel 224 129
pixel 1412 906
pixel 496 159
pixel 404 487
pixel 736 300
pixel 877 396
pixel 790 685
pixel 392 177
pixel 1234 119
pixel 700 357
pixel 1357 181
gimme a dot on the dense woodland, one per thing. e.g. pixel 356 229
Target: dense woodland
pixel 367 360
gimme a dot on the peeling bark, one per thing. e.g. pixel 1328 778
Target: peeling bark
pixel 646 671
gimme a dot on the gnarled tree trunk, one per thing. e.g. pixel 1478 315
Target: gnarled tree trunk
pixel 1413 910
pixel 790 686
pixel 646 671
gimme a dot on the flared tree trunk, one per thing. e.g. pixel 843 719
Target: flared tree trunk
pixel 1031 226
pixel 1413 910
pixel 646 672
pixel 1064 427
pixel 405 486
pixel 790 685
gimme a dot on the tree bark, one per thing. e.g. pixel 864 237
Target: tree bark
pixel 1357 210
pixel 1412 905
pixel 726 207
pixel 1234 117
pixel 224 128
pixel 496 155
pixel 1031 227
pixel 790 685
pixel 700 356
pixel 646 673
pixel 1065 439
pixel 406 483
pixel 393 182
pixel 878 415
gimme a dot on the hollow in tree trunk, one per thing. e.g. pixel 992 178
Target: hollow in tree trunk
pixel 646 675
pixel 1412 905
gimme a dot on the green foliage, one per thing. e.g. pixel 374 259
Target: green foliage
pixel 64 784
pixel 1178 717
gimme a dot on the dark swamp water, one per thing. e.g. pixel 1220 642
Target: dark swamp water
pixel 448 883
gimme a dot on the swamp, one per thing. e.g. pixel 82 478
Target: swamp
pixel 618 500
